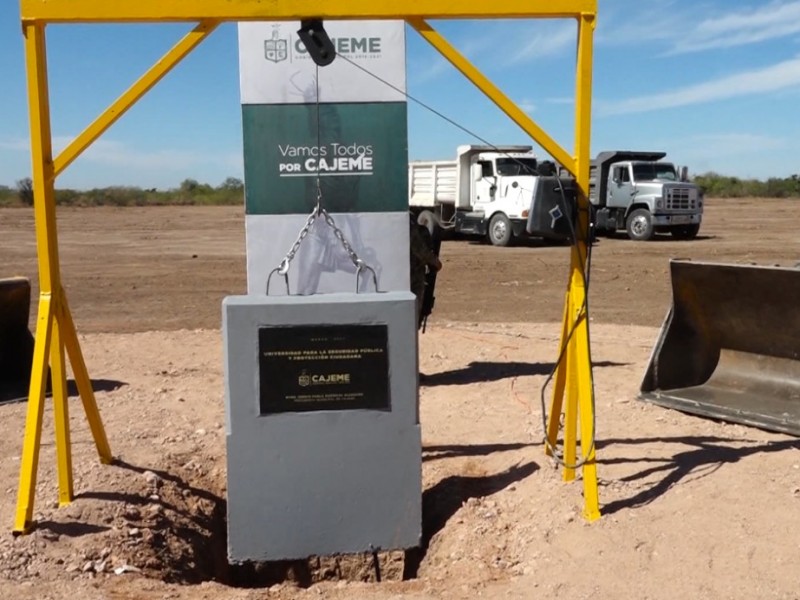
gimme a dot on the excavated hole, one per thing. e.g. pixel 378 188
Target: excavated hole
pixel 170 524
pixel 193 549
pixel 366 567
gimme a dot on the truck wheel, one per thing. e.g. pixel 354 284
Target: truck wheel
pixel 500 232
pixel 640 225
pixel 685 232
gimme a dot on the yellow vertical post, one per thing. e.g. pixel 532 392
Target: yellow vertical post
pixel 61 412
pixel 576 362
pixel 583 362
pixel 571 404
pixel 47 250
pixel 583 120
pixel 55 330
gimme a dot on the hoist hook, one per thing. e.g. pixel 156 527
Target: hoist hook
pixel 315 39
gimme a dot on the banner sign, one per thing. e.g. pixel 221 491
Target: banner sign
pixel 275 67
pixel 359 155
pixel 340 130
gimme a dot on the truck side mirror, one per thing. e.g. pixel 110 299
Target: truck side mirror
pixel 684 175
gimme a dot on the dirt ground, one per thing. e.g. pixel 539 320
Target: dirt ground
pixel 692 508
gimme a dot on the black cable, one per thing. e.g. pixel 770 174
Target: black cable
pixel 583 313
pixel 428 107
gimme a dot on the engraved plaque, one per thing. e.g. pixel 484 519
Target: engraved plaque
pixel 323 367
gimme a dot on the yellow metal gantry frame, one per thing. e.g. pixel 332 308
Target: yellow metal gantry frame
pixel 55 330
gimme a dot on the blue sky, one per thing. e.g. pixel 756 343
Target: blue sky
pixel 715 84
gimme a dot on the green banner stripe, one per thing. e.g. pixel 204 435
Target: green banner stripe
pixel 361 160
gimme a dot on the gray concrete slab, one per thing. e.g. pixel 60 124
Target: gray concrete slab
pixel 321 481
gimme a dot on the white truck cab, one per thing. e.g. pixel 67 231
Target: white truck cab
pixel 487 190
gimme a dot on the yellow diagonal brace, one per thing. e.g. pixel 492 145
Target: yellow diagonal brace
pixel 559 385
pixel 494 93
pixel 261 10
pixel 136 91
pixel 83 382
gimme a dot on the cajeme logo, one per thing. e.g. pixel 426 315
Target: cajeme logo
pixel 305 380
pixel 333 159
pixel 277 48
pixel 347 46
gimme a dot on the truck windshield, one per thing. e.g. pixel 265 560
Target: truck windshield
pixel 652 171
pixel 516 166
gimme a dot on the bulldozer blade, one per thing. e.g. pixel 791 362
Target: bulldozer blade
pixel 16 341
pixel 730 345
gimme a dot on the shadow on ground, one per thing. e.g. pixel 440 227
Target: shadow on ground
pixel 484 371
pixel 18 391
pixel 456 450
pixel 706 454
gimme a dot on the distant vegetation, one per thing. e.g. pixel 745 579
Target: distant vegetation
pixel 190 192
pixel 721 186
pixel 231 192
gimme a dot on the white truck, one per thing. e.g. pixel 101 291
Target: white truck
pixel 488 191
pixel 638 193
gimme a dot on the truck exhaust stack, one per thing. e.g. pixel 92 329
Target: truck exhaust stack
pixel 730 345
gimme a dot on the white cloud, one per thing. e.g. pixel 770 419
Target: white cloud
pixel 129 164
pixel 747 26
pixel 118 154
pixel 560 100
pixel 526 105
pixel 471 41
pixel 20 144
pixel 631 23
pixel 424 71
pixel 741 154
pixel 776 77
pixel 723 145
pixel 110 152
pixel 541 40
pixel 686 28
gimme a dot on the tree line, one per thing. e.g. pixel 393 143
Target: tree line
pixel 190 192
pixel 715 185
pixel 231 192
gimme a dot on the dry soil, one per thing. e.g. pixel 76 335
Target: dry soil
pixel 692 508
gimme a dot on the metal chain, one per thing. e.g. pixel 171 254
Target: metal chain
pixel 340 236
pixel 283 267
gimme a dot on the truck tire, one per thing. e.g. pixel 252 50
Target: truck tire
pixel 685 232
pixel 500 232
pixel 640 225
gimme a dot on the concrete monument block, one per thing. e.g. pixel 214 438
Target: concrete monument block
pixel 323 436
